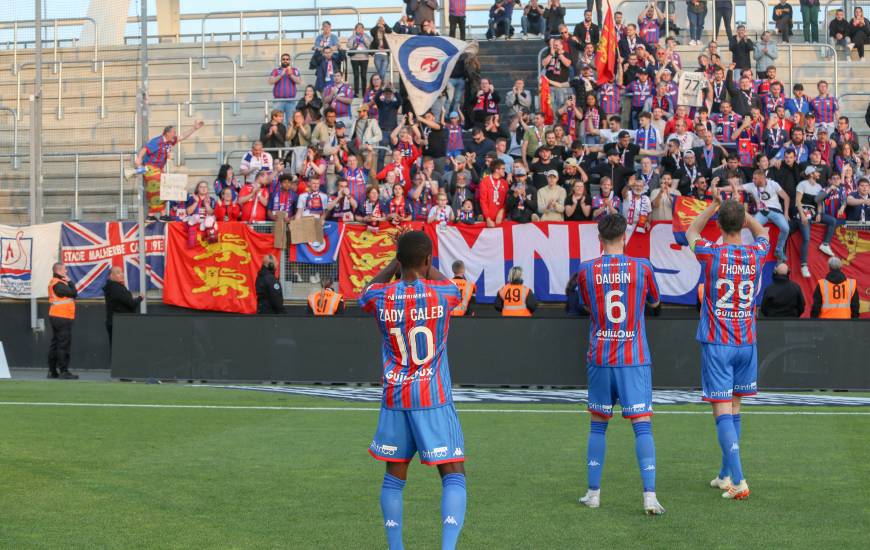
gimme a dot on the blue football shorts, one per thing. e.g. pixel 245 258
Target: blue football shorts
pixel 727 371
pixel 630 386
pixel 433 433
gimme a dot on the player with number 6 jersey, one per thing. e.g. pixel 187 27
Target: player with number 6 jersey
pixel 731 275
pixel 615 288
pixel 417 413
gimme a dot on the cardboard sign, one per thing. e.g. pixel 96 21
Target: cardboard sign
pixel 691 89
pixel 173 187
pixel 306 230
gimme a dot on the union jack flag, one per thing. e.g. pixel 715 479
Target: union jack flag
pixel 91 250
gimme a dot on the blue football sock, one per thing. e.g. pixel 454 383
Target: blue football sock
pixel 730 446
pixel 391 506
pixel 645 448
pixel 453 498
pixel 595 453
pixel 723 470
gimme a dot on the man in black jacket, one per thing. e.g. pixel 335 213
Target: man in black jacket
pixel 741 49
pixel 118 299
pixel 788 175
pixel 270 299
pixel 783 297
pixel 743 99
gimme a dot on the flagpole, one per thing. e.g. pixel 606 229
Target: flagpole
pixel 143 128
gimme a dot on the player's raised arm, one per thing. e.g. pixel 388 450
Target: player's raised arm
pixel 694 231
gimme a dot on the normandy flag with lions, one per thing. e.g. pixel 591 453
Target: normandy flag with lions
pixel 217 276
pixel 424 63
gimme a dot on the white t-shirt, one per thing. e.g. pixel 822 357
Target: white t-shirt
pixel 810 190
pixel 767 195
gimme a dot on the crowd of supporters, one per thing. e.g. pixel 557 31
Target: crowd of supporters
pixel 352 149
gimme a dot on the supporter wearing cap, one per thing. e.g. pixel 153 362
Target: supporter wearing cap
pixel 551 199
pixel 520 201
pixel 808 195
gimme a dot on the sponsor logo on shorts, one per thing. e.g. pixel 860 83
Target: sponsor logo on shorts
pixel 457 452
pixel 607 409
pixel 745 387
pixel 638 407
pixel 381 449
pixel 435 454
pixel 715 394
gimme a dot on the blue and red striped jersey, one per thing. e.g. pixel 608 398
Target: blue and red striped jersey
pixel 732 280
pixel 610 98
pixel 726 126
pixel 285 88
pixel 342 110
pixel 649 30
pixel 824 108
pixel 413 319
pixel 834 200
pixel 615 289
pixel 157 151
pixel 640 92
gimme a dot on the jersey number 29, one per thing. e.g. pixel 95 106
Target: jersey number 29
pixel 429 345
pixel 745 292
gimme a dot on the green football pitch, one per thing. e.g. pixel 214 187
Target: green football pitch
pixel 170 466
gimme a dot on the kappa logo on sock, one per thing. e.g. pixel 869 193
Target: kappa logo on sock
pixel 391 523
pixel 450 520
pixel 650 468
pixel 735 447
pixel 594 463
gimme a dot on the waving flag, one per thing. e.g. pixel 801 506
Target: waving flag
pixel 319 253
pixel 605 59
pixel 546 107
pixel 425 64
pixel 686 209
pixel 91 250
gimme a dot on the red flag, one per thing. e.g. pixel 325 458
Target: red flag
pixel 605 60
pixel 217 276
pixel 546 108
pixel 363 253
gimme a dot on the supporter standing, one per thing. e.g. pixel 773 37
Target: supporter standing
pixel 554 16
pixel 379 43
pixel 741 48
pixel 339 96
pixel 493 192
pixel 782 297
pixel 270 298
pixel 723 15
pixel 551 199
pixel 273 134
pixel 254 198
pixel 359 62
pixel 810 19
pixel 456 18
pixel 765 54
pixel 285 80
pixel 151 160
pixel 697 12
pixel 118 299
pixel 325 39
pixel 227 208
pixel 61 315
pixel 858 203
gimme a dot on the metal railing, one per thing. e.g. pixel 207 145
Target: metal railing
pixel 667 12
pixel 102 76
pixel 790 47
pixel 280 14
pixel 16 161
pixel 299 55
pixel 55 23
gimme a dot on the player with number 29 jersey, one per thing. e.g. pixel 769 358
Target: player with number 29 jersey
pixel 413 319
pixel 732 279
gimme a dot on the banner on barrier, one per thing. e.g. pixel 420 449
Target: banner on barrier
pixel 364 253
pixel 852 246
pixel 91 250
pixel 324 252
pixel 216 276
pixel 26 256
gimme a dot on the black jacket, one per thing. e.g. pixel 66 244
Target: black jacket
pixel 741 52
pixel 839 27
pixel 275 141
pixel 119 300
pixel 788 178
pixel 66 290
pixel 783 298
pixel 701 161
pixel 580 33
pixel 741 105
pixel 270 299
pixel 835 277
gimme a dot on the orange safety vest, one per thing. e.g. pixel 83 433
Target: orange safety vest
pixel 466 290
pixel 514 297
pixel 65 308
pixel 836 299
pixel 325 302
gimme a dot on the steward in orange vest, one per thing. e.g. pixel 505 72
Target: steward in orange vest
pixel 61 314
pixel 836 295
pixel 325 302
pixel 516 299
pixel 467 289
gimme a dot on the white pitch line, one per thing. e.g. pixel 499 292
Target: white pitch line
pixel 373 409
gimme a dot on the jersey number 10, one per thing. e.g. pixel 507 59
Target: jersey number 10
pixel 429 345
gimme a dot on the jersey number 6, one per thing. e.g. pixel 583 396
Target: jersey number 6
pixel 614 308
pixel 397 335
